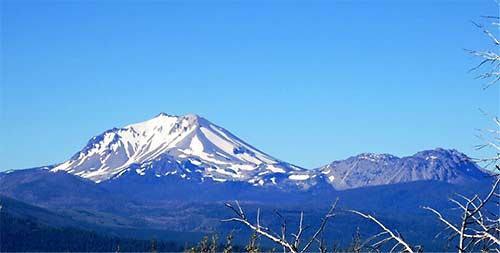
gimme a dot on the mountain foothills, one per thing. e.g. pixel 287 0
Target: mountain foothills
pixel 170 174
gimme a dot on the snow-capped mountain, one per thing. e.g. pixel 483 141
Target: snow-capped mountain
pixel 189 147
pixel 369 169
pixel 172 173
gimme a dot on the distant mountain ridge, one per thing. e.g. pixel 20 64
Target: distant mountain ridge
pixel 191 148
pixel 367 169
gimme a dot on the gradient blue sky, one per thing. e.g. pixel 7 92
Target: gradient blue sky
pixel 305 82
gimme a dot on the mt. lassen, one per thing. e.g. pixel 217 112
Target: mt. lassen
pixel 190 147
pixel 171 173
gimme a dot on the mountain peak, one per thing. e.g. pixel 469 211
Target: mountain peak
pixel 191 116
pixel 195 119
pixel 165 118
pixel 188 145
pixel 446 165
pixel 374 157
pixel 163 114
pixel 442 153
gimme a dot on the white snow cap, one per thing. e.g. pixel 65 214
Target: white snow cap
pixel 188 138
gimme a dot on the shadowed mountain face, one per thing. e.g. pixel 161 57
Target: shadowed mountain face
pixel 39 184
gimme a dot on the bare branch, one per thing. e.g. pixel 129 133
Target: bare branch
pixel 282 240
pixel 399 241
pixel 488 56
pixel 475 228
pixel 322 226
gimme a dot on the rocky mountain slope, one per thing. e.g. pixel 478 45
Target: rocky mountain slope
pixel 367 169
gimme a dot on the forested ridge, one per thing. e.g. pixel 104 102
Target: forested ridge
pixel 23 235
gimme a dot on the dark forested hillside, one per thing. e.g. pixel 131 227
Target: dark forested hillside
pixel 21 235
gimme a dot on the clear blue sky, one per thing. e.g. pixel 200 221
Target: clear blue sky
pixel 305 82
